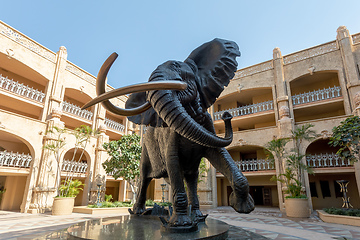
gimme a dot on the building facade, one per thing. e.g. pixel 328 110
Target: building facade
pixel 320 86
pixel 40 89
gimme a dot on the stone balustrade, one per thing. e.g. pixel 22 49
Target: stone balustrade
pixel 246 110
pixel 325 160
pixel 317 95
pixel 11 159
pixel 114 125
pixel 21 89
pixel 76 110
pixel 73 166
pixel 251 165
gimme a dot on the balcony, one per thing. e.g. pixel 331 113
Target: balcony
pixel 317 95
pixel 114 125
pixel 246 110
pixel 326 160
pixel 21 90
pixel 17 160
pixel 76 110
pixel 74 167
pixel 252 165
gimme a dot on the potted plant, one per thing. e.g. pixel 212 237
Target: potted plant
pixel 296 201
pixel 64 203
pixel 70 187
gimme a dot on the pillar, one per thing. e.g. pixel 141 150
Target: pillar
pixel 99 174
pixel 284 115
pixel 344 40
pixel 46 184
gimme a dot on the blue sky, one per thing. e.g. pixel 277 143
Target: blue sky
pixel 148 33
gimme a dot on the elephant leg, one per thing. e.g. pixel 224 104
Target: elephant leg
pixel 192 182
pixel 144 181
pixel 240 198
pixel 179 216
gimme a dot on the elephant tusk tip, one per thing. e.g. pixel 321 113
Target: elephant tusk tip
pixel 85 106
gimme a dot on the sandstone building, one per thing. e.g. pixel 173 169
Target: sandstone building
pixel 40 89
pixel 320 86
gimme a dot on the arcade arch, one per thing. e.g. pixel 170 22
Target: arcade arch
pixel 16 156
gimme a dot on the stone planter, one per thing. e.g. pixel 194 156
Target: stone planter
pixel 63 205
pixel 87 210
pixel 339 219
pixel 297 207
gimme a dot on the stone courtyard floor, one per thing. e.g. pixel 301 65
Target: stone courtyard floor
pixel 267 222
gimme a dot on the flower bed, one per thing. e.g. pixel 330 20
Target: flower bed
pixel 340 219
pixel 112 210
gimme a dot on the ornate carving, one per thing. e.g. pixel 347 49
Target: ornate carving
pixel 26 42
pixel 262 67
pixel 277 53
pixel 102 128
pixel 356 38
pixel 325 134
pixel 56 113
pixel 284 112
pixel 312 52
pixel 80 73
pixel 242 142
pixel 342 32
pixel 311 70
pixel 357 99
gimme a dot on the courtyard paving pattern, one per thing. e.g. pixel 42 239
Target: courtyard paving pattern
pixel 263 223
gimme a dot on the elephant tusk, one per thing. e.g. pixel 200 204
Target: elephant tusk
pixel 142 87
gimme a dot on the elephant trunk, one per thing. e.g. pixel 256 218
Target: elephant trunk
pixel 170 109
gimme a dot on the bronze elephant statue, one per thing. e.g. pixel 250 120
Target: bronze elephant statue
pixel 180 131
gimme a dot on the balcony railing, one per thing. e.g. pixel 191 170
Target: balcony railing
pixel 246 110
pixel 21 89
pixel 76 110
pixel 114 125
pixel 325 160
pixel 252 165
pixel 72 166
pixel 317 95
pixel 10 159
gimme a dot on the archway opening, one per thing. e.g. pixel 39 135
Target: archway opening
pixel 75 165
pixel 328 167
pixel 15 162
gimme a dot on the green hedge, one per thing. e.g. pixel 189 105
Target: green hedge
pixel 111 205
pixel 343 211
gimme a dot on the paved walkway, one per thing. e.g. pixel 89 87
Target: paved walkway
pixel 267 222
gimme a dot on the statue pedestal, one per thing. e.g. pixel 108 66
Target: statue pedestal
pixel 142 227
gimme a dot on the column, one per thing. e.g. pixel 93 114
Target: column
pixel 205 188
pixel 46 184
pixel 285 122
pixel 350 67
pixel 99 174
pixel 57 92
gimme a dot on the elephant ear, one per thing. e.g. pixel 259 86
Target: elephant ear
pixel 149 117
pixel 216 64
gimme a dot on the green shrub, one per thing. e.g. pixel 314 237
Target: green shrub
pixel 343 211
pixel 149 203
pixel 108 198
pixel 111 204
